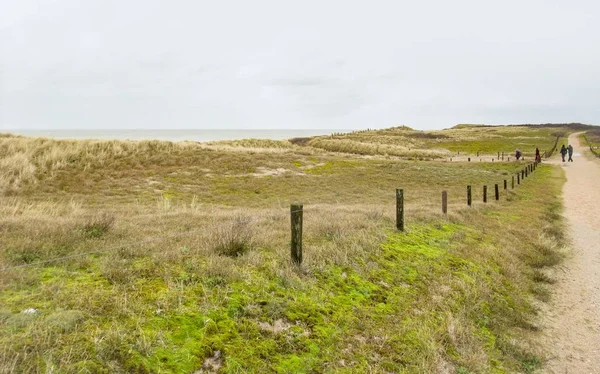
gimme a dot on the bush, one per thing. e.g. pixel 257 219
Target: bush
pixel 98 226
pixel 233 239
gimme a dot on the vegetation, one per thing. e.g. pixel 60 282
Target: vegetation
pixel 466 140
pixel 208 285
pixel 591 139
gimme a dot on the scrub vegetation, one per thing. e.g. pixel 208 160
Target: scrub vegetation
pixel 591 139
pixel 178 255
pixel 465 140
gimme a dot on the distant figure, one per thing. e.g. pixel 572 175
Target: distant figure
pixel 563 152
pixel 518 154
pixel 570 150
pixel 538 158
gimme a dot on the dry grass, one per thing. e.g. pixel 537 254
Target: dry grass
pixel 467 140
pixel 453 292
pixel 375 148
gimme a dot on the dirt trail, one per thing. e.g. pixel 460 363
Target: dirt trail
pixel 573 323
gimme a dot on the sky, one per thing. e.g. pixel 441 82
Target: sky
pixel 268 64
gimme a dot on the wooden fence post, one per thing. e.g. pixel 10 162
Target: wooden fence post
pixel 513 183
pixel 527 171
pixel 469 159
pixel 485 194
pixel 400 209
pixel 505 184
pixel 469 199
pixel 498 155
pixel 444 202
pixel 496 192
pixel 522 173
pixel 296 211
pixel 518 178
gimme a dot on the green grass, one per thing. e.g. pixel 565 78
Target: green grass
pixel 453 292
pixel 467 140
pixel 591 139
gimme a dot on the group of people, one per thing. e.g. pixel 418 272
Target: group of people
pixel 564 150
pixel 538 158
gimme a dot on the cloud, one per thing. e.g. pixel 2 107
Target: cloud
pixel 268 64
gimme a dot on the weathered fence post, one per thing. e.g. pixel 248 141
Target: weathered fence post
pixel 469 199
pixel 522 173
pixel 469 159
pixel 400 209
pixel 485 194
pixel 477 153
pixel 444 202
pixel 518 178
pixel 498 155
pixel 512 186
pixel 296 211
pixel 505 184
pixel 496 192
pixel 527 171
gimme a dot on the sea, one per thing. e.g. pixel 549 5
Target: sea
pixel 176 135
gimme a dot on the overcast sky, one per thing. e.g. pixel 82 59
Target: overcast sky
pixel 84 64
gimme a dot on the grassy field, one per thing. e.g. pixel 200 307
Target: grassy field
pixel 591 139
pixel 466 140
pixel 208 285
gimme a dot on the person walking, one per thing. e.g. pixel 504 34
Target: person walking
pixel 538 158
pixel 563 152
pixel 570 150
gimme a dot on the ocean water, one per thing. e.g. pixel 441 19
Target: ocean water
pixel 174 135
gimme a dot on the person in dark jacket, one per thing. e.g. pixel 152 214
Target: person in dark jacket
pixel 570 150
pixel 563 152
pixel 538 158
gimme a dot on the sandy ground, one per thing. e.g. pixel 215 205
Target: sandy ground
pixel 572 324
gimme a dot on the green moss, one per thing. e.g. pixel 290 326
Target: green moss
pixel 20 320
pixel 65 320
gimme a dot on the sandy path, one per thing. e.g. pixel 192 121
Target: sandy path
pixel 573 323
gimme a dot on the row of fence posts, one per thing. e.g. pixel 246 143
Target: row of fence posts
pixel 500 157
pixel 297 210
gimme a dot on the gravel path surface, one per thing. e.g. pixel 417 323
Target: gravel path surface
pixel 573 320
